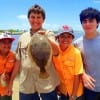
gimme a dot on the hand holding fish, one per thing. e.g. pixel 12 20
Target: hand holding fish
pixel 41 32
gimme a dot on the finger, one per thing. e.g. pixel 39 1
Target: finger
pixel 92 79
pixel 9 93
pixel 90 85
pixel 42 32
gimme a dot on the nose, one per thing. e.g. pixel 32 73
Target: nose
pixel 86 22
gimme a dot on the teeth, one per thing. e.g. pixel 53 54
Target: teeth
pixel 65 42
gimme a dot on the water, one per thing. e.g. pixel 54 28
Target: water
pixel 14 45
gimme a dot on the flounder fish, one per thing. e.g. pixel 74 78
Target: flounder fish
pixel 39 51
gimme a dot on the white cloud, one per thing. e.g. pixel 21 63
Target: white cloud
pixel 56 26
pixel 96 1
pixel 23 17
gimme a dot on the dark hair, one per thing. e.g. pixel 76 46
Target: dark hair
pixel 90 13
pixel 37 10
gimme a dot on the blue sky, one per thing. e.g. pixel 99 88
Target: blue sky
pixel 13 13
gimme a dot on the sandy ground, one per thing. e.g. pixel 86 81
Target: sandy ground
pixel 15 95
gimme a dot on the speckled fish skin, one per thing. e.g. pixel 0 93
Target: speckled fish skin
pixel 40 51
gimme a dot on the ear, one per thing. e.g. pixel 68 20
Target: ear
pixel 98 25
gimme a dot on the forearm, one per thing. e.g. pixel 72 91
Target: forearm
pixel 75 85
pixel 15 71
pixel 54 48
pixel 13 75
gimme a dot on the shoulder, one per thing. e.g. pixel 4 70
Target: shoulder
pixel 50 35
pixel 24 39
pixel 48 32
pixel 77 43
pixel 76 51
pixel 80 39
pixel 24 35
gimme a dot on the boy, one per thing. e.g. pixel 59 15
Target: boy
pixel 7 60
pixel 30 83
pixel 89 45
pixel 68 65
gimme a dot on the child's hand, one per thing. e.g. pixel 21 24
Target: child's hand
pixel 6 77
pixel 9 91
pixel 42 32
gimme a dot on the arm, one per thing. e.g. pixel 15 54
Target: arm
pixel 51 38
pixel 13 75
pixel 75 86
pixel 88 81
pixel 54 48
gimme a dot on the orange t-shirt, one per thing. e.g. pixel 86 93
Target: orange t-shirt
pixel 6 65
pixel 68 64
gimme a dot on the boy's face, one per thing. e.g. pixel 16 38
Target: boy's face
pixel 89 25
pixel 36 21
pixel 5 46
pixel 65 40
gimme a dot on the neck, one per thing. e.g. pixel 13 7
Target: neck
pixel 34 31
pixel 91 35
pixel 3 54
pixel 63 48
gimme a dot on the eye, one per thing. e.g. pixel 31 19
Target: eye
pixel 35 45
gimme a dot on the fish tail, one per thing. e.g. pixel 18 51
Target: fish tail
pixel 44 75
